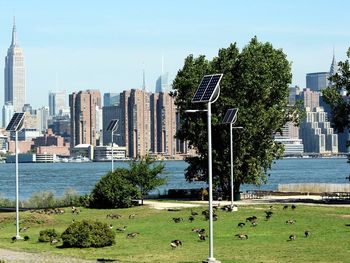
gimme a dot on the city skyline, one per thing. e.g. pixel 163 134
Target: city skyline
pixel 78 46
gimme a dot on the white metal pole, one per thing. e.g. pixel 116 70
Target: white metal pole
pixel 231 150
pixel 17 191
pixel 112 153
pixel 211 237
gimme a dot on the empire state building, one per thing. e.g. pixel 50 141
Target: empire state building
pixel 15 91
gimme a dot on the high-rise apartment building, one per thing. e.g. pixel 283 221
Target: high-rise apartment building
pixel 15 91
pixel 57 102
pixel 317 134
pixel 163 124
pixel 83 117
pixel 310 98
pixel 135 123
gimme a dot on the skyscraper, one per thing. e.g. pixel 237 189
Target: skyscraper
pixel 57 102
pixel 83 112
pixel 317 81
pixel 7 112
pixel 15 91
pixel 162 84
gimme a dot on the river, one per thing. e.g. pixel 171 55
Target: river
pixel 56 177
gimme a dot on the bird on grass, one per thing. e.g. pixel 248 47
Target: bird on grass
pixel 285 207
pixel 110 226
pixel 293 207
pixel 177 219
pixel 175 243
pixel 201 236
pixel 251 219
pixel 292 237
pixel 26 238
pixel 133 234
pixel 241 224
pixel 194 213
pixel 14 239
pixel 132 216
pixel 290 222
pixel 190 218
pixel 268 217
pixel 254 224
pixel 24 229
pixel 242 236
pixel 54 242
pixel 307 233
pixel 121 229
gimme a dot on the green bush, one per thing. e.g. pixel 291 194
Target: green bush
pixel 88 234
pixel 42 200
pixel 114 190
pixel 47 235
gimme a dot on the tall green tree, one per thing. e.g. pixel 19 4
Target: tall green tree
pixel 255 81
pixel 333 95
pixel 145 174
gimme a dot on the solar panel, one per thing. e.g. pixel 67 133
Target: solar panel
pixel 207 88
pixel 201 89
pixel 230 116
pixel 112 126
pixel 16 122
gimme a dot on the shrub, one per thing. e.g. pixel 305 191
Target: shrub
pixel 114 190
pixel 47 235
pixel 70 197
pixel 42 200
pixel 88 234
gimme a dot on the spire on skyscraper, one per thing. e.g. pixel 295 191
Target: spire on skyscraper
pixel 14 36
pixel 334 66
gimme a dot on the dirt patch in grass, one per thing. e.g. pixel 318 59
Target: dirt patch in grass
pixel 338 215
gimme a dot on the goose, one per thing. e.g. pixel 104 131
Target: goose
pixel 177 219
pixel 133 234
pixel 191 218
pixel 26 238
pixel 285 207
pixel 175 243
pixel 201 236
pixel 54 242
pixel 290 222
pixel 194 213
pixel 242 236
pixel 307 233
pixel 241 224
pixel 132 216
pixel 110 226
pixel 121 229
pixel 293 207
pixel 292 237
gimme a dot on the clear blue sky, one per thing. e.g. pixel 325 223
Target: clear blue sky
pixel 84 44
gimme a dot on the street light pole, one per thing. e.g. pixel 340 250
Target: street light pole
pixel 112 153
pixel 17 190
pixel 210 175
pixel 231 150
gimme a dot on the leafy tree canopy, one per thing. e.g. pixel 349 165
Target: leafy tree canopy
pixel 340 106
pixel 144 174
pixel 255 81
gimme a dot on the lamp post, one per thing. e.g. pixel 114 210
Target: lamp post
pixel 208 92
pixel 112 127
pixel 15 125
pixel 231 118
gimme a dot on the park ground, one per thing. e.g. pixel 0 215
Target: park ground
pixel 268 241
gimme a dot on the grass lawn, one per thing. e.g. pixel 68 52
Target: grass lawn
pixel 267 242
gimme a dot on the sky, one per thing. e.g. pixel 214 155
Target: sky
pixel 85 44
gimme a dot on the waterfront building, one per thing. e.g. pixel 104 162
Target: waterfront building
pixel 292 146
pixel 317 134
pixel 317 81
pixel 83 105
pixel 15 91
pixel 7 113
pixel 110 99
pixel 104 153
pixel 57 103
pixel 48 139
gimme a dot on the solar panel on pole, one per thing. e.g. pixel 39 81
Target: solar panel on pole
pixel 112 126
pixel 207 88
pixel 230 116
pixel 16 122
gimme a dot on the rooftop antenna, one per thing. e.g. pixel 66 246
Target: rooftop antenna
pixel 143 79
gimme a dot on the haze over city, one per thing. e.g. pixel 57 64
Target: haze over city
pixel 87 45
